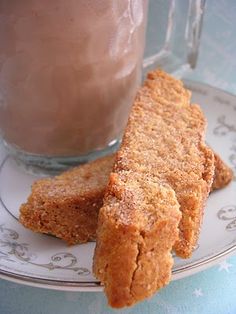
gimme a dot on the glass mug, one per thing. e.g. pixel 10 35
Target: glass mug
pixel 69 71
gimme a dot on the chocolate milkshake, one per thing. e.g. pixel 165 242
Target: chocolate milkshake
pixel 69 71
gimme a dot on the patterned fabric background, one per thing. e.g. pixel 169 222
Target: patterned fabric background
pixel 212 291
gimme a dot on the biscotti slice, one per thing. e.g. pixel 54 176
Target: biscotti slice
pixel 163 146
pixel 137 228
pixel 51 217
pixel 223 174
pixel 67 205
pixel 192 162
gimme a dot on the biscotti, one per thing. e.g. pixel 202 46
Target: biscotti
pixel 67 206
pixel 163 158
pixel 223 174
pixel 41 214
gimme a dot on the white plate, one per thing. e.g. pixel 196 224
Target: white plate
pixel 44 261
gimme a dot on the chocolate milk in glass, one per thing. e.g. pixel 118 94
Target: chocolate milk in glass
pixel 69 71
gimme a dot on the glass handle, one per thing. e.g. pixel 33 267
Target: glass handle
pixel 178 32
pixel 194 29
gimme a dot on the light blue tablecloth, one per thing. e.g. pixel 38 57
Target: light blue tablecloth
pixel 212 291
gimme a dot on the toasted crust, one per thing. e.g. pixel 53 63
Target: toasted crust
pixel 67 206
pixel 51 217
pixel 163 145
